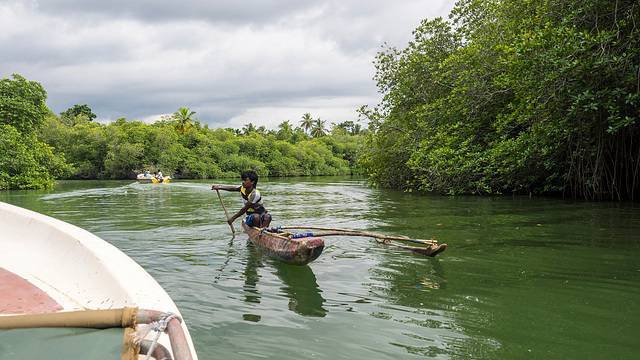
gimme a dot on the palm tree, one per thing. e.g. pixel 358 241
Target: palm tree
pixel 249 128
pixel 319 128
pixel 285 131
pixel 184 118
pixel 307 122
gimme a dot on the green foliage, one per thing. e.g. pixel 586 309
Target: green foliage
pixel 22 104
pixel 510 96
pixel 124 148
pixel 78 110
pixel 26 163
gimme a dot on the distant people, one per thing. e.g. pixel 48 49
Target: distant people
pixel 257 215
pixel 159 175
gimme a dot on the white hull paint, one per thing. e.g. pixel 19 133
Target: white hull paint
pixel 76 268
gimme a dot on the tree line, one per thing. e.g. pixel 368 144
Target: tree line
pixel 512 96
pixel 37 146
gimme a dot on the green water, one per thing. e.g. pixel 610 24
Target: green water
pixel 522 278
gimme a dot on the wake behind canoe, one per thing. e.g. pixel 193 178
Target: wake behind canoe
pixel 284 246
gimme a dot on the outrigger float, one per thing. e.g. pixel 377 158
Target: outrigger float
pixel 63 283
pixel 301 249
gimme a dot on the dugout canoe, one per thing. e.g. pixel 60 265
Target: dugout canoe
pixel 285 246
pixel 66 293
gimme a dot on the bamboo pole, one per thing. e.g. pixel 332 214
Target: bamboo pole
pixel 351 232
pixel 225 211
pixel 432 249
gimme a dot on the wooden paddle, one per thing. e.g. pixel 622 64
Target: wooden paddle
pixel 225 211
pixel 351 232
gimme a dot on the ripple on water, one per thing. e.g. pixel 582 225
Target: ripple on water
pixel 543 278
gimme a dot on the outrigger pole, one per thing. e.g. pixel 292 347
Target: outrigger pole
pixel 432 250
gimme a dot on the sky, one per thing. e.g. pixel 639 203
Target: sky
pixel 232 62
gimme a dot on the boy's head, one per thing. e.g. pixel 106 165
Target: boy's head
pixel 251 175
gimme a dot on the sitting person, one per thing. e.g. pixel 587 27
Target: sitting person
pixel 257 215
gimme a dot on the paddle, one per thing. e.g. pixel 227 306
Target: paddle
pixel 351 232
pixel 225 211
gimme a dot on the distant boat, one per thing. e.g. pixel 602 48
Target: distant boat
pixel 151 179
pixel 57 277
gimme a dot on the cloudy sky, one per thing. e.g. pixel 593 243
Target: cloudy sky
pixel 233 62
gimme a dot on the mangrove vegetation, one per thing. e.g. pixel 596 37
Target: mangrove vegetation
pixel 512 96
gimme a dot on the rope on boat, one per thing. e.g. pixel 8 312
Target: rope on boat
pixel 298 236
pixel 159 326
pixel 278 230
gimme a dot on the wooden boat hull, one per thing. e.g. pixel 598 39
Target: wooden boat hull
pixel 48 266
pixel 282 246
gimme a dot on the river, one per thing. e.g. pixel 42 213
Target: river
pixel 522 278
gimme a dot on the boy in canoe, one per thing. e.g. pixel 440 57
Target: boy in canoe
pixel 257 215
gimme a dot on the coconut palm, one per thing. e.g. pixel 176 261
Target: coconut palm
pixel 249 128
pixel 285 130
pixel 307 122
pixel 319 129
pixel 184 118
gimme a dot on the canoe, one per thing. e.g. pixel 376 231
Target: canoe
pixel 56 277
pixel 285 246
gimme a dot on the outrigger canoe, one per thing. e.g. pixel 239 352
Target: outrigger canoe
pixel 284 246
pixel 67 294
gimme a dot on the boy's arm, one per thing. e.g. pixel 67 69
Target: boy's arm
pixel 242 211
pixel 225 188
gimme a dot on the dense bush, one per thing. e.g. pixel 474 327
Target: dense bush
pixel 25 163
pixel 122 149
pixel 531 96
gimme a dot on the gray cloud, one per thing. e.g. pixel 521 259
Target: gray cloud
pixel 231 62
pixel 158 11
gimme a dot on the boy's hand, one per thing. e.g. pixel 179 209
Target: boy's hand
pixel 215 187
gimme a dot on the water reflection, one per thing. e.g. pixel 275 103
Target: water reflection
pixel 251 275
pixel 299 285
pixel 228 256
pixel 399 277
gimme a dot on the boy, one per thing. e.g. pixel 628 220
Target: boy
pixel 257 215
